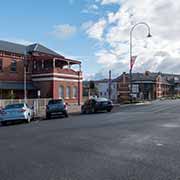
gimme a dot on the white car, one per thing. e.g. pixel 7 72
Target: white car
pixel 13 112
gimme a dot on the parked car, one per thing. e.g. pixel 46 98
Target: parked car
pixel 56 107
pixel 95 105
pixel 13 112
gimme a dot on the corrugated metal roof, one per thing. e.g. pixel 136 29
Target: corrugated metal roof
pixel 22 49
pixel 12 47
pixel 16 85
pixel 40 48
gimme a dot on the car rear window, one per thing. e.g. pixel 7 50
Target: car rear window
pixel 59 101
pixel 14 106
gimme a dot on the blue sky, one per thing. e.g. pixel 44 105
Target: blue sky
pixel 35 21
pixel 97 32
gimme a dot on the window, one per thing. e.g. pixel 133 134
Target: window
pixel 14 106
pixel 28 68
pixel 59 101
pixel 61 92
pixel 34 64
pixel 13 65
pixel 74 92
pixel 1 64
pixel 68 92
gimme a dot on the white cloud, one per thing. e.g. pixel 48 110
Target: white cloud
pixel 103 2
pixel 159 53
pixel 93 8
pixel 64 31
pixel 97 29
pixel 106 58
pixel 86 25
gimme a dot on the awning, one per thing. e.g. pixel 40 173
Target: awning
pixel 16 85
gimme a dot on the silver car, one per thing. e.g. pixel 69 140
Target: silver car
pixel 13 112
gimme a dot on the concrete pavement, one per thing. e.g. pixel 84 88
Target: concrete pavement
pixel 132 143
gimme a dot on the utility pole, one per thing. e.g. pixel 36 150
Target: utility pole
pixel 25 83
pixel 109 84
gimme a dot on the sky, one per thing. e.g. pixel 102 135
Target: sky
pixel 96 32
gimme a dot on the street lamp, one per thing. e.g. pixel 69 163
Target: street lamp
pixel 131 66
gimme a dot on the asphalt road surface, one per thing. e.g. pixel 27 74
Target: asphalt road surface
pixel 138 142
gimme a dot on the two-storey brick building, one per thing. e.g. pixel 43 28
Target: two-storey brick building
pixel 43 70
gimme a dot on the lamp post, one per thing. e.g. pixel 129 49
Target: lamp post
pixel 130 70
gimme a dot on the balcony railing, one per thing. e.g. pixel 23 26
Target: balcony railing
pixel 55 70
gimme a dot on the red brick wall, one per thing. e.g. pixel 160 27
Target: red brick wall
pixel 123 88
pixel 7 75
pixel 45 87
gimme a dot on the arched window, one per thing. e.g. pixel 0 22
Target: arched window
pixel 68 92
pixel 61 92
pixel 74 92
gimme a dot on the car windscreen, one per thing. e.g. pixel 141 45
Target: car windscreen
pixel 14 106
pixel 56 102
pixel 101 99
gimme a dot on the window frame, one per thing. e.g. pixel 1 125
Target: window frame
pixel 61 92
pixel 13 64
pixel 1 65
pixel 75 92
pixel 68 92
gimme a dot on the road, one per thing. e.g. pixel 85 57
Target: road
pixel 137 142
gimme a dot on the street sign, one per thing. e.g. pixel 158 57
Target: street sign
pixel 135 88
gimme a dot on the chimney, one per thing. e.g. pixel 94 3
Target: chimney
pixel 147 73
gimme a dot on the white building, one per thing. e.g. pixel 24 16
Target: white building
pixel 103 89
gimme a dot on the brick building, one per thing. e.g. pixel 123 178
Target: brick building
pixel 148 86
pixel 46 71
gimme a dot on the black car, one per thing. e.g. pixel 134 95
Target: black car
pixel 55 107
pixel 95 105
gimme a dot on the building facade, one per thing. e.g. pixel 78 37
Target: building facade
pixel 46 73
pixel 147 86
pixel 104 86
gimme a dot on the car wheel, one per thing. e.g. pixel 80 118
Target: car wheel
pixel 48 116
pixel 66 114
pixel 4 123
pixel 28 119
pixel 82 111
pixel 93 110
pixel 87 111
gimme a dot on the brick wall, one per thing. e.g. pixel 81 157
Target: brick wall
pixel 123 88
pixel 8 75
pixel 45 87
